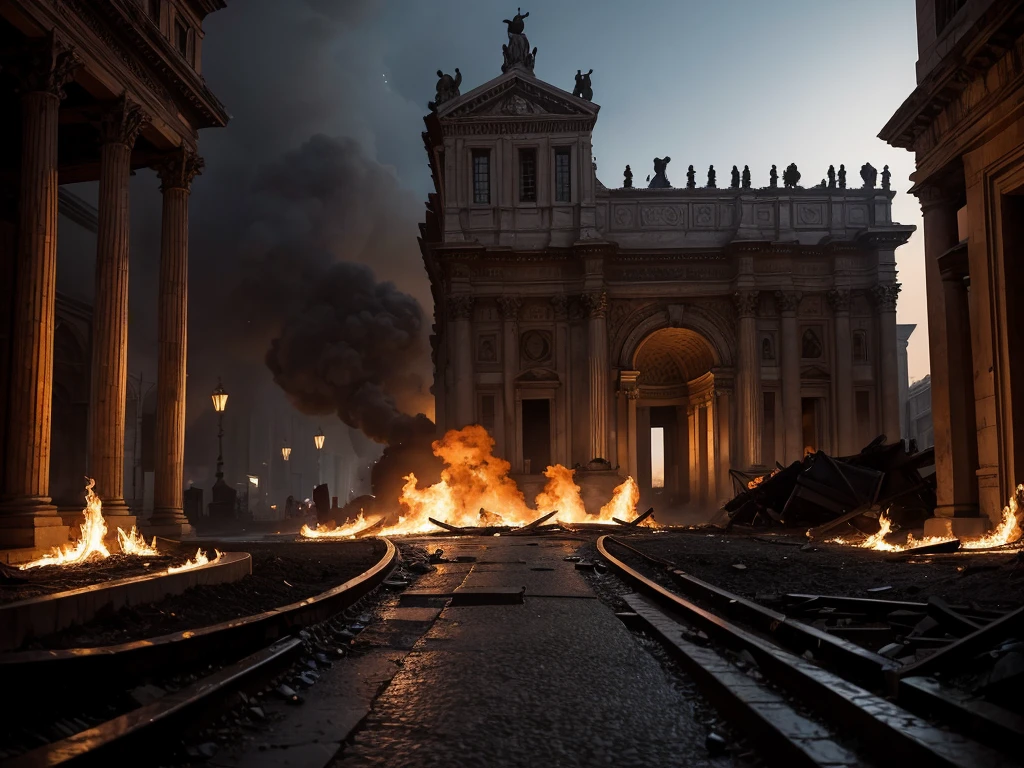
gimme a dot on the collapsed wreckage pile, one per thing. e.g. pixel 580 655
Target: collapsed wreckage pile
pixel 822 492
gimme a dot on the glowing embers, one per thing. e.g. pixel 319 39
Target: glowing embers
pixel 90 544
pixel 1008 530
pixel 201 559
pixel 877 542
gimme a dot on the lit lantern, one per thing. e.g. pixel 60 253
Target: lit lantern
pixel 286 452
pixel 318 439
pixel 220 398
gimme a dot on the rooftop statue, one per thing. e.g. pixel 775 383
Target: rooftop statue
pixel 791 176
pixel 627 180
pixel 832 176
pixel 773 177
pixel 886 175
pixel 583 88
pixel 711 176
pixel 660 180
pixel 735 182
pixel 691 182
pixel 517 52
pixel 869 175
pixel 447 89
pixel 746 177
pixel 842 176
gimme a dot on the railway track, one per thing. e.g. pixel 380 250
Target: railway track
pixel 238 656
pixel 795 689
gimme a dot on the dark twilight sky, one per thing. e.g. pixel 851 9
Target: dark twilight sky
pixel 725 82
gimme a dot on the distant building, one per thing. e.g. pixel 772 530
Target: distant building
pixel 965 124
pixel 735 325
pixel 919 413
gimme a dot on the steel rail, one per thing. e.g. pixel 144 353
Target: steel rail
pixel 891 735
pixel 35 674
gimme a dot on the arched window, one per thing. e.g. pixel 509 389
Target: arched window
pixel 860 346
pixel 811 345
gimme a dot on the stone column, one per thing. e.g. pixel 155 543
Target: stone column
pixel 597 305
pixel 723 410
pixel 787 303
pixel 509 368
pixel 748 379
pixel 627 382
pixel 846 442
pixel 712 438
pixel 176 174
pixel 460 310
pixel 109 386
pixel 884 295
pixel 693 452
pixel 952 386
pixel 683 448
pixel 30 520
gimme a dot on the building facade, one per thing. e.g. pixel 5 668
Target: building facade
pixel 90 92
pixel 719 327
pixel 965 124
pixel 919 413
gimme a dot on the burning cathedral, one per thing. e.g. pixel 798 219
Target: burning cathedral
pixel 661 332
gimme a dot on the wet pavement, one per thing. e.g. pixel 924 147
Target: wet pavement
pixel 554 681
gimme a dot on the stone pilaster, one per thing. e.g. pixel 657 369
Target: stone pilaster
pixel 787 303
pixel 628 386
pixel 748 379
pixel 460 309
pixel 119 128
pixel 597 307
pixel 176 175
pixel 884 296
pixel 509 306
pixel 724 411
pixel 29 519
pixel 846 441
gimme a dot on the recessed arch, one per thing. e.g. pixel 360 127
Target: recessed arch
pixel 718 337
pixel 672 356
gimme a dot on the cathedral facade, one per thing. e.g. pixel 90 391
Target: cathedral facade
pixel 665 333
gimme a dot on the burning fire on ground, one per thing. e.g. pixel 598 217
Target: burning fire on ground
pixel 1007 532
pixel 90 544
pixel 475 490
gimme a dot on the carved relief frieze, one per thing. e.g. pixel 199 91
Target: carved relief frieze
pixel 810 215
pixel 856 215
pixel 663 216
pixel 811 305
pixel 662 272
pixel 537 312
pixel 536 347
pixel 703 215
pixel 812 266
pixel 623 216
pixel 764 214
pixel 787 301
pixel 487 348
pixel 509 306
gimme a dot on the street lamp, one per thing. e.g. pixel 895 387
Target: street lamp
pixel 220 402
pixel 286 452
pixel 318 441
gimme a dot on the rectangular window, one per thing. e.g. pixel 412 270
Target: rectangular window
pixel 481 176
pixel 181 37
pixel 563 179
pixel 527 175
pixel 487 412
pixel 657 457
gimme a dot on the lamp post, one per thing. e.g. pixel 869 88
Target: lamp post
pixel 318 441
pixel 220 402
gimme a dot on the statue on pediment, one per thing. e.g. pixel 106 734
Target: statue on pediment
pixel 660 180
pixel 447 89
pixel 791 176
pixel 869 175
pixel 832 176
pixel 583 89
pixel 842 176
pixel 746 177
pixel 734 183
pixel 691 178
pixel 627 180
pixel 517 52
pixel 773 177
pixel 886 176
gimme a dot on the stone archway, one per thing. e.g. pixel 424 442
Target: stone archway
pixel 673 430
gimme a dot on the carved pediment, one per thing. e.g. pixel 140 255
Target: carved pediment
pixel 815 372
pixel 514 95
pixel 538 376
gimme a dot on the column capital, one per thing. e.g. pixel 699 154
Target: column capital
pixel 596 303
pixel 933 196
pixel 510 307
pixel 561 304
pixel 787 301
pixel 44 66
pixel 632 393
pixel 746 303
pixel 177 169
pixel 121 122
pixel 460 307
pixel 884 296
pixel 839 300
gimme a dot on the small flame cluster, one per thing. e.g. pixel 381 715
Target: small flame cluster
pixel 90 545
pixel 1007 532
pixel 475 489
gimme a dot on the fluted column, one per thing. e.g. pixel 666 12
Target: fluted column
pixel 460 308
pixel 748 379
pixel 884 295
pixel 40 76
pixel 176 175
pixel 509 306
pixel 846 439
pixel 109 387
pixel 628 386
pixel 787 302
pixel 597 305
pixel 712 438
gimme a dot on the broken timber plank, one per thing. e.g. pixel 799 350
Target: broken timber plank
pixel 953 622
pixel 817 533
pixel 534 525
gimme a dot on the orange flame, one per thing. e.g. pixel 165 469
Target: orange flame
pixel 133 543
pixel 347 531
pixel 90 543
pixel 201 559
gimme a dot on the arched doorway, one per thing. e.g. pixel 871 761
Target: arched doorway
pixel 673 424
